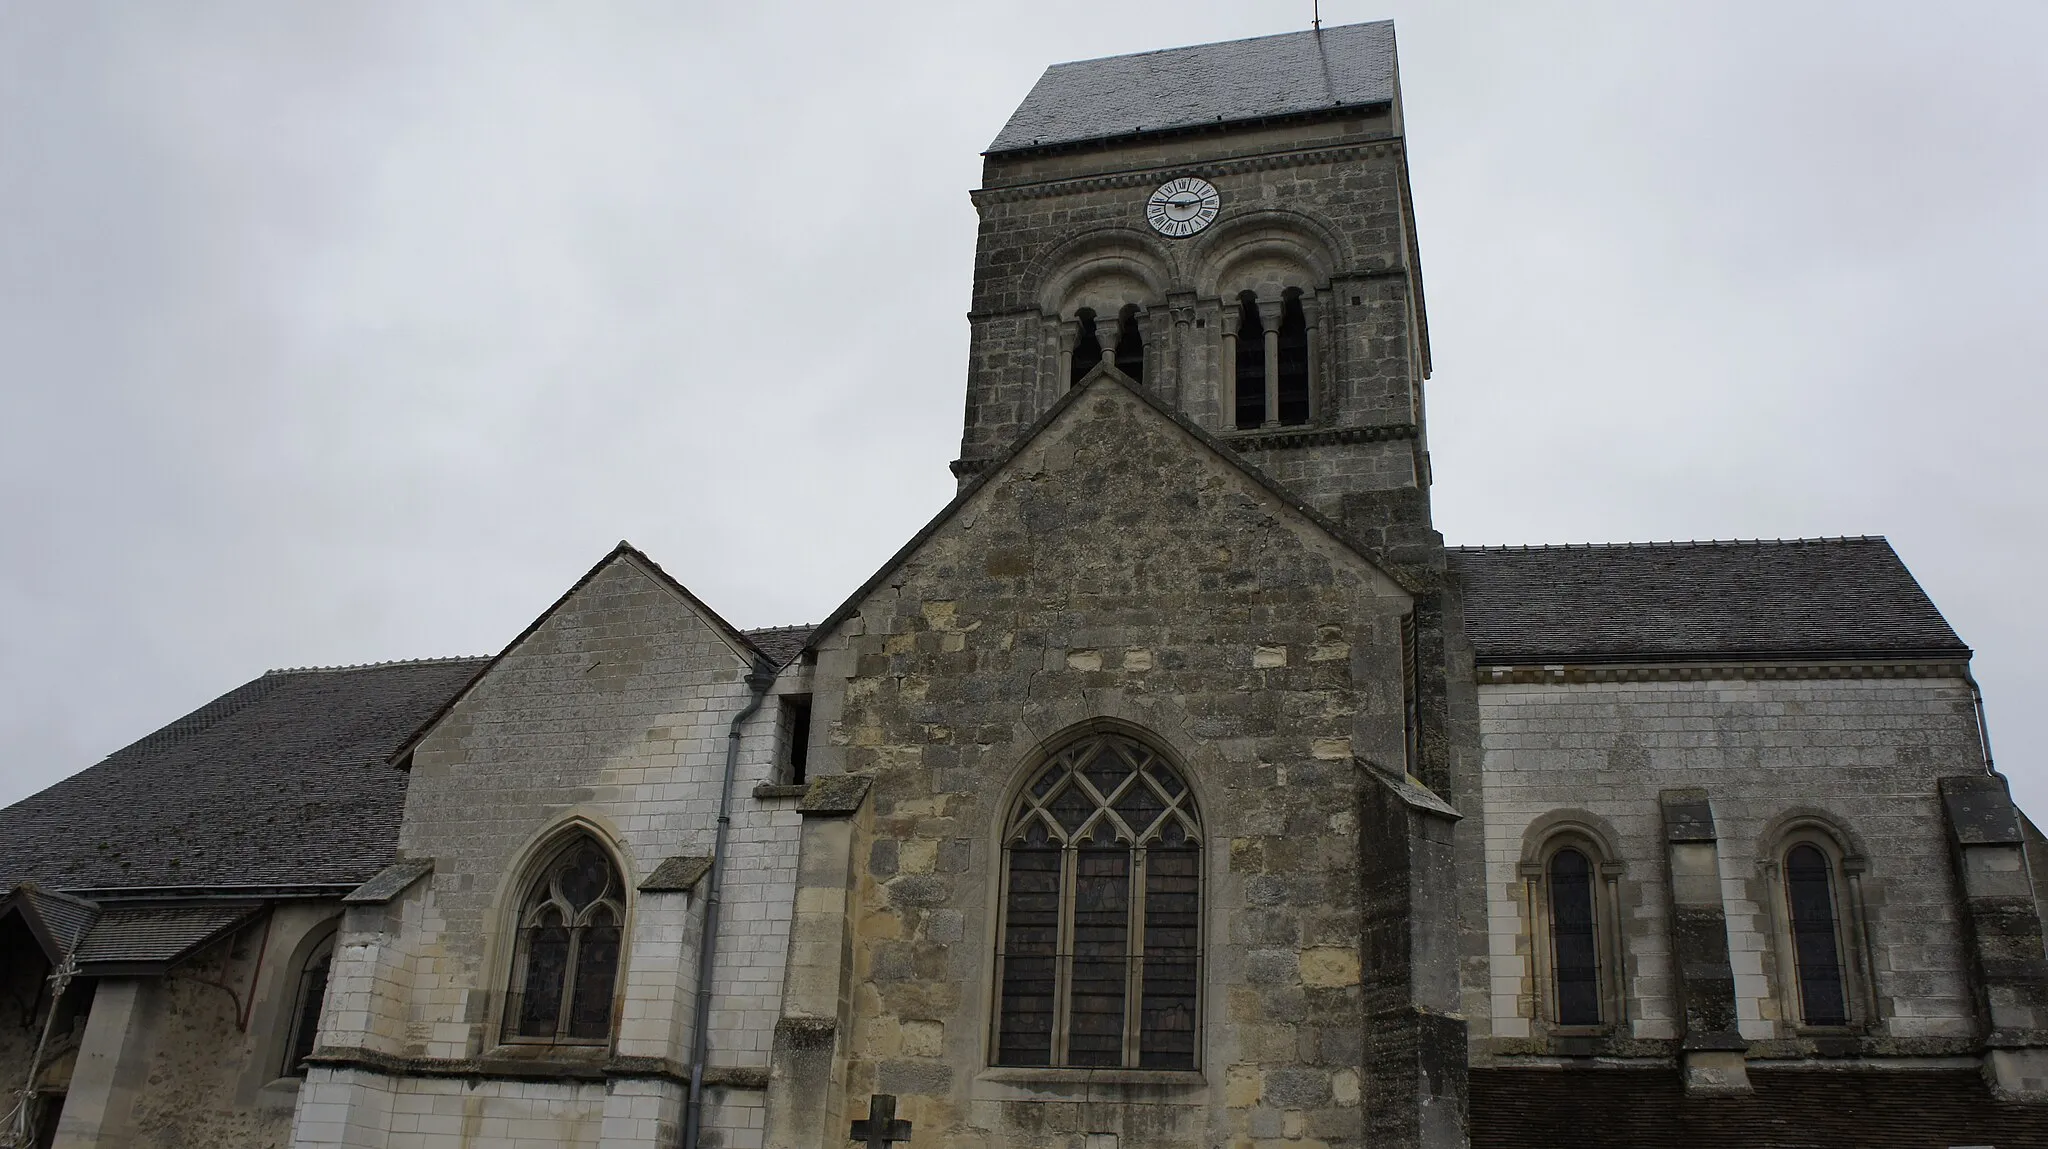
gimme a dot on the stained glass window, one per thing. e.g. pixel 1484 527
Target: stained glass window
pixel 567 964
pixel 1101 937
pixel 1816 948
pixel 1574 944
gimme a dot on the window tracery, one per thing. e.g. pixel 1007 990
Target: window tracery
pixel 1099 948
pixel 567 961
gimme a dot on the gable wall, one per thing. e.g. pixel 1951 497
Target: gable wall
pixel 1866 752
pixel 1116 570
pixel 614 710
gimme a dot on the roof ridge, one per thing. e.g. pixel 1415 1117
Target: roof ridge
pixel 1513 548
pixel 1217 43
pixel 441 660
pixel 788 626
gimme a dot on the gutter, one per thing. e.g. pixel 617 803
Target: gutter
pixel 1983 727
pixel 758 681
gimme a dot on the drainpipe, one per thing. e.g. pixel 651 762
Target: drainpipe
pixel 758 681
pixel 1983 727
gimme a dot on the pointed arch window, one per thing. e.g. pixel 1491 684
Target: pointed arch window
pixel 1811 904
pixel 305 1020
pixel 1099 951
pixel 567 962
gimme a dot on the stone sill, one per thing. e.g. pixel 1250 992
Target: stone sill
pixel 1026 1075
pixel 769 790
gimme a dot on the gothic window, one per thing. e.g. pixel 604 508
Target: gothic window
pixel 1251 364
pixel 1294 381
pixel 1087 348
pixel 1099 952
pixel 1574 938
pixel 567 960
pixel 1130 345
pixel 1811 905
pixel 305 1016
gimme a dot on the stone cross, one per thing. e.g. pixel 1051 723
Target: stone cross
pixel 881 1129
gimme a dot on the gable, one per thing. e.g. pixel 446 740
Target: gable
pixel 1155 460
pixel 624 562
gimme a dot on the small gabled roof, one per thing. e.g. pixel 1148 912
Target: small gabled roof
pixel 743 645
pixel 1291 74
pixel 279 782
pixel 148 939
pixel 1844 598
pixel 1106 375
pixel 57 920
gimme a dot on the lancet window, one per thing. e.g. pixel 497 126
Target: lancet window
pixel 567 961
pixel 1812 904
pixel 1251 364
pixel 1130 345
pixel 1099 952
pixel 1087 348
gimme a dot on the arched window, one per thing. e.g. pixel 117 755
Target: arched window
pixel 305 1016
pixel 1130 345
pixel 1294 381
pixel 1087 347
pixel 1099 952
pixel 1573 902
pixel 1574 938
pixel 1811 903
pixel 1251 364
pixel 567 960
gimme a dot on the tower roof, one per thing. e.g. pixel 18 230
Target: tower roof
pixel 1351 66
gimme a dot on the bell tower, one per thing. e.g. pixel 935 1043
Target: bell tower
pixel 1230 226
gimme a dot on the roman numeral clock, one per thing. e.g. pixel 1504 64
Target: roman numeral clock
pixel 1183 206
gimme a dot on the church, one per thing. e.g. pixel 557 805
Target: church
pixel 1176 785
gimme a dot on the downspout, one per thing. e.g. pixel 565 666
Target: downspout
pixel 1983 727
pixel 758 681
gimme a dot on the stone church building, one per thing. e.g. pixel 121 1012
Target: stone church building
pixel 1176 785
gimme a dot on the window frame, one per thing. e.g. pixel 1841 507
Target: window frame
pixel 321 950
pixel 1609 947
pixel 1845 873
pixel 1020 807
pixel 617 895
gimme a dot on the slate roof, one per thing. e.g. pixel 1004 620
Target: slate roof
pixel 1351 66
pixel 1615 1108
pixel 780 643
pixel 278 782
pixel 1646 602
pixel 156 936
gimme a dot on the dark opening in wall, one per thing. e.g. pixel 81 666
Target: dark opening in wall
pixel 1294 404
pixel 1087 348
pixel 1251 364
pixel 1130 345
pixel 794 721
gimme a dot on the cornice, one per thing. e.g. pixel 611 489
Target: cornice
pixel 1710 670
pixel 1139 177
pixel 540 1067
pixel 1241 442
pixel 1315 436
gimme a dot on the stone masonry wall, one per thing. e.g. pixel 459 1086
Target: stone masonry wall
pixel 1861 753
pixel 1117 571
pixel 614 712
pixel 1325 199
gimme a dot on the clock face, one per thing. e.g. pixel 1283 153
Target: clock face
pixel 1183 206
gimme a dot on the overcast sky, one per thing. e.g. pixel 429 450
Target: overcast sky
pixel 334 333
